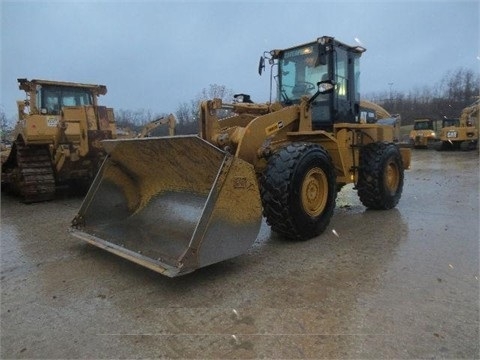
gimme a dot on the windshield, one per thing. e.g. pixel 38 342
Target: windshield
pixel 299 73
pixel 423 125
pixel 53 98
pixel 450 122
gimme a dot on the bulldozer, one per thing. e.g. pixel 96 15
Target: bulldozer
pixel 423 134
pixel 461 133
pixel 177 204
pixel 57 138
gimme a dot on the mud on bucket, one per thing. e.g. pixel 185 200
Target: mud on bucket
pixel 172 204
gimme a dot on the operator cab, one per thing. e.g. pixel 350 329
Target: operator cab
pixel 423 124
pixel 47 97
pixel 52 98
pixel 301 68
pixel 450 122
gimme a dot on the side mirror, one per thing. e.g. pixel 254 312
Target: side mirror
pixel 261 65
pixel 242 98
pixel 326 86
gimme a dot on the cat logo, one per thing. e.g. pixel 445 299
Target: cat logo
pixel 274 128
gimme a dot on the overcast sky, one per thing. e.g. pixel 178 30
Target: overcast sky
pixel 157 54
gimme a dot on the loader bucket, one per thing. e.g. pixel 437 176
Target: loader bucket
pixel 172 204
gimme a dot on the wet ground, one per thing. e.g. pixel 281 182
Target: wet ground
pixel 402 284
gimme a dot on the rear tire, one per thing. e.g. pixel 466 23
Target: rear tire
pixel 468 145
pixel 380 181
pixel 298 191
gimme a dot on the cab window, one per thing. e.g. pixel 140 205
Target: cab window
pixel 299 73
pixel 53 98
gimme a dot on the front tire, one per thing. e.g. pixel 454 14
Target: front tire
pixel 298 191
pixel 381 175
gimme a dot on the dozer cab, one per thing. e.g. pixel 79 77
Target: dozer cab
pixel 176 204
pixel 423 133
pixel 57 138
pixel 460 133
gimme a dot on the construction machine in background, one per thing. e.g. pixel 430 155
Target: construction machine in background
pixel 149 128
pixel 423 134
pixel 372 113
pixel 460 133
pixel 169 120
pixel 176 204
pixel 57 139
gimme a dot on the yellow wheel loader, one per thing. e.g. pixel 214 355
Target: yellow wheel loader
pixel 176 204
pixel 57 138
pixel 423 133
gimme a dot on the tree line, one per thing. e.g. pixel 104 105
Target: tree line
pixel 186 113
pixel 457 89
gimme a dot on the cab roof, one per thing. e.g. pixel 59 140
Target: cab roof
pixel 29 85
pixel 325 40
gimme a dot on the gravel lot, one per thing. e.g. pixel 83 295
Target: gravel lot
pixel 402 283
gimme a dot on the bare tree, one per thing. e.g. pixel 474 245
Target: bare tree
pixel 460 85
pixel 457 89
pixel 5 127
pixel 216 91
pixel 187 113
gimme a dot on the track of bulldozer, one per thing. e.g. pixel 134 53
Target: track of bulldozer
pixel 28 172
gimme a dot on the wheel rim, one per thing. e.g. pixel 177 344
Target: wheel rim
pixel 392 177
pixel 314 192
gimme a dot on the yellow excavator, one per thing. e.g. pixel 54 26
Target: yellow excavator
pixel 372 112
pixel 179 203
pixel 460 133
pixel 169 120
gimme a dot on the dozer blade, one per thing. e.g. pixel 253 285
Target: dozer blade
pixel 172 204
